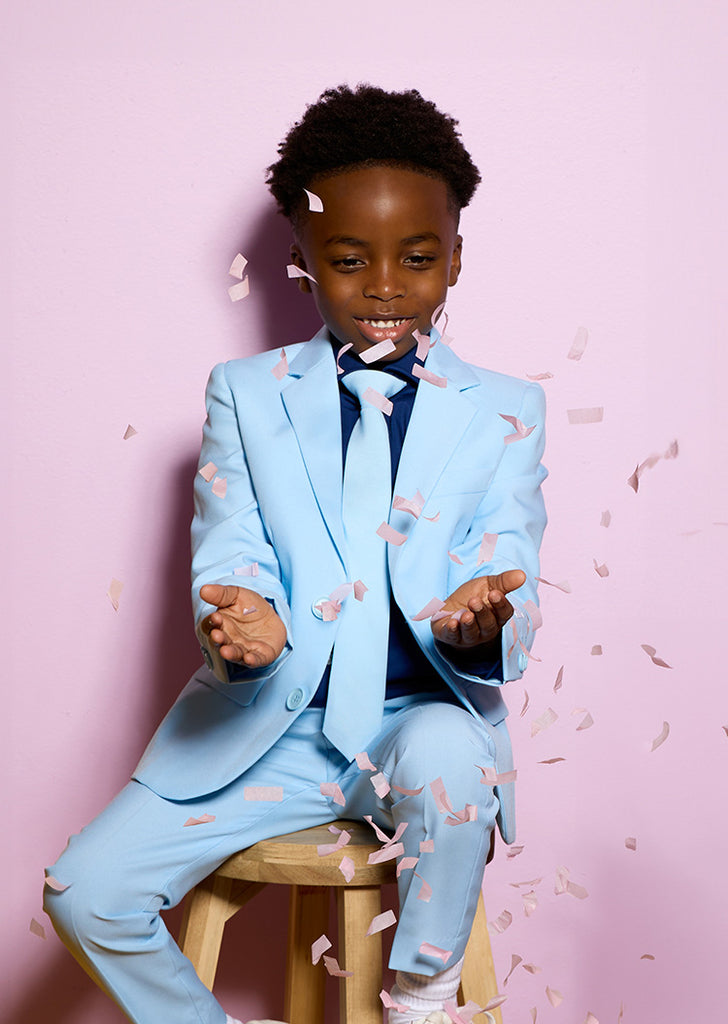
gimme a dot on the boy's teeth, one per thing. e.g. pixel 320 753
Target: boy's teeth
pixel 385 324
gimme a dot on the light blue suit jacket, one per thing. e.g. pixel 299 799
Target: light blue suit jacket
pixel 278 446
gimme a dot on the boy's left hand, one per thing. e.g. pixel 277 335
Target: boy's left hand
pixel 486 610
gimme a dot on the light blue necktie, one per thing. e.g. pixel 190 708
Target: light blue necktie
pixel 359 665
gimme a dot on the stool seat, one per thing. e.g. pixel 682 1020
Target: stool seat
pixel 293 860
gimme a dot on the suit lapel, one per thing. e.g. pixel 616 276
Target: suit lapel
pixel 311 400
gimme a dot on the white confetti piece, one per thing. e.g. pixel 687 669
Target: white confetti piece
pixel 280 370
pixel 381 921
pixel 379 351
pixel 487 548
pixel 293 271
pixel 392 536
pixel 344 348
pixel 592 415
pixel 247 570
pixel 427 949
pixel 564 586
pixel 237 267
pixel 631 843
pixel 114 593
pixel 664 733
pixel 273 794
pixel 578 345
pixel 652 655
pixel 380 785
pixel 315 203
pixel 319 947
pixel 129 432
pixel 543 721
pixel 208 471
pixel 239 291
pixel 36 928
pixel 333 790
pixel 600 570
pixel 428 376
pixel 332 966
pixel 347 868
pixel 219 486
pixel 204 819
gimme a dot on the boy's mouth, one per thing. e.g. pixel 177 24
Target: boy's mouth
pixel 385 329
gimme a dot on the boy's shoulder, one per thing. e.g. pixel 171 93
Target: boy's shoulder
pixel 463 371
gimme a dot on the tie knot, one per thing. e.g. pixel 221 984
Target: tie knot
pixel 380 383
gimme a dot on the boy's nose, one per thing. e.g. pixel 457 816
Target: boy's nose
pixel 384 283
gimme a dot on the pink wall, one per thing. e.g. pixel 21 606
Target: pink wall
pixel 138 134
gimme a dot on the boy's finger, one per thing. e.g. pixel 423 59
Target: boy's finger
pixel 502 609
pixel 509 580
pixel 219 595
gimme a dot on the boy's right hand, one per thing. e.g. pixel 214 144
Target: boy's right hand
pixel 245 627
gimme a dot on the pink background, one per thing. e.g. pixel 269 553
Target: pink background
pixel 137 135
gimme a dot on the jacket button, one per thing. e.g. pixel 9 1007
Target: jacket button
pixel 316 607
pixel 295 699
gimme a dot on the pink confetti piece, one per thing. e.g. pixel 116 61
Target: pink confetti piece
pixel 379 351
pixel 114 593
pixel 381 921
pixel 487 547
pixel 273 794
pixel 237 267
pixel 332 966
pixel 204 819
pixel 499 925
pixel 534 1014
pixel 578 345
pixel 457 615
pixel 360 590
pixel 208 471
pixel 647 956
pixel 543 721
pixel 586 723
pixel 36 928
pixel 564 586
pixel 326 849
pixel 670 453
pixel 239 291
pixel 468 813
pixel 315 203
pixel 427 846
pixel 606 518
pixel 129 432
pixel 596 650
pixel 432 607
pixel 363 762
pixel 530 881
pixel 725 729
pixel 540 376
pixel 347 868
pixel 390 1004
pixel 530 902
pixel 381 836
pixel 344 348
pixel 293 271
pixel 412 505
pixel 247 570
pixel 592 415
pixel 513 851
pixel 338 594
pixel 552 760
pixel 600 570
pixel 554 996
pixel 664 733
pixel 493 778
pixel 591 1019
pixel 248 611
pixel 427 949
pixel 406 864
pixel 451 1010
pixel 526 702
pixel 380 785
pixel 631 843
pixel 329 610
pixel 535 613
pixel 529 655
pixel 494 1002
pixel 318 948
pixel 558 682
pixel 386 853
pixel 428 376
pixel 219 486
pixel 620 1017
pixel 423 345
pixel 564 885
pixel 521 430
pixel 53 883
pixel 333 790
pixel 652 655
pixel 392 536
pixel 454 558
pixel 442 800
pixel 531 968
pixel 408 792
pixel 280 370
pixel 515 961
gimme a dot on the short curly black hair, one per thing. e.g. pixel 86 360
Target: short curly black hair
pixel 367 126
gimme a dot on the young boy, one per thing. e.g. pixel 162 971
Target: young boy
pixel 362 475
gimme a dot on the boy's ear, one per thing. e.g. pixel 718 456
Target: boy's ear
pixel 304 285
pixel 456 261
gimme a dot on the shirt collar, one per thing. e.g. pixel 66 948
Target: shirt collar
pixel 401 367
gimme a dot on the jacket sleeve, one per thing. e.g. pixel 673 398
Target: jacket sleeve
pixel 512 510
pixel 230 545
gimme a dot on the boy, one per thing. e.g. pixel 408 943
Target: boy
pixel 366 473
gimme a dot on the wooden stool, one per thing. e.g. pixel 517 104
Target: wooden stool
pixel 293 860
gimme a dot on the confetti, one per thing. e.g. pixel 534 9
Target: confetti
pixel 293 271
pixel 468 813
pixel 606 518
pixel 382 836
pixel 129 432
pixel 552 760
pixel 596 650
pixel 487 547
pixel 593 415
pixel 521 430
pixel 493 778
pixel 454 558
pixel 360 590
pixel 558 682
pixel 501 922
pixel 204 819
pixel 535 614
pixel 406 864
pixel 392 536
pixel 647 956
pixel 347 868
pixel 564 586
pixel 219 486
pixel 533 1015
pixel 442 800
pixel 620 1018
pixel 363 762
pixel 247 570
pixel 319 947
pixel 531 881
pixel 586 723
pixel 237 267
pixel 377 352
pixel 280 370
pixel 427 949
pixel 390 1004
pixel 114 593
pixel 427 846
pixel 670 453
pixel 554 997
pixel 333 789
pixel 37 928
pixel 432 607
pixel 408 792
pixel 380 785
pixel 332 966
pixel 315 203
pixel 53 883
pixel 652 655
pixel 344 348
pixel 381 921
pixel 540 376
pixel 208 471
pixel 513 851
pixel 578 345
pixel 515 961
pixel 329 610
pixel 496 1000
pixel 239 291
pixel 530 902
pixel 631 843
pixel 543 721
pixel 591 1019
pixel 600 570
pixel 430 378
pixel 326 849
pixel 386 853
pixel 531 968
pixel 659 740
pixel 274 794
pixel 564 885
pixel 339 593
pixel 526 702
pixel 412 505
pixel 423 344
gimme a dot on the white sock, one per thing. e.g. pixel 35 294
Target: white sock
pixel 424 994
pixel 231 1020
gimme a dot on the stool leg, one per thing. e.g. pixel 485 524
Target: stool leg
pixel 305 984
pixel 478 981
pixel 202 926
pixel 359 1001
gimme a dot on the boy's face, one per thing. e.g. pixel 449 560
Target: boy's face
pixel 384 252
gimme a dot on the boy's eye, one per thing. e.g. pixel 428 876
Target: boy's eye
pixel 418 259
pixel 348 263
